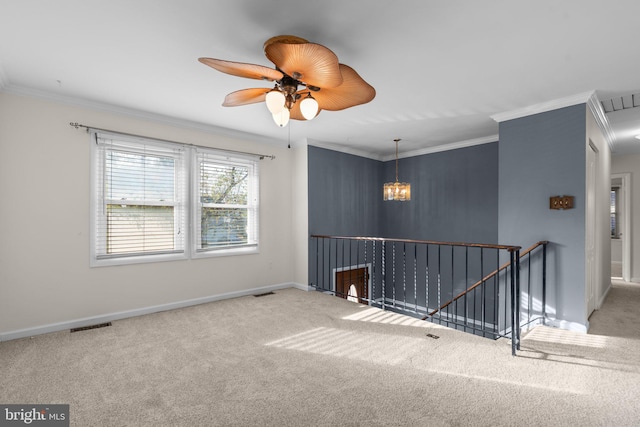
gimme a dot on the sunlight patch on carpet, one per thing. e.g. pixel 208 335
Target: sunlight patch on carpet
pixel 527 384
pixel 561 336
pixel 372 347
pixel 376 315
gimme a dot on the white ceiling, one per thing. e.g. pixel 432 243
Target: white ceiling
pixel 441 69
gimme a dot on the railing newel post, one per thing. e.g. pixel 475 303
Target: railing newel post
pixel 518 299
pixel 544 283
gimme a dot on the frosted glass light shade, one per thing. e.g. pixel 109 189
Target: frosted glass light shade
pixel 400 191
pixel 309 107
pixel 281 118
pixel 275 101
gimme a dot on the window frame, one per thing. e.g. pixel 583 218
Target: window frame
pixel 187 186
pixel 614 212
pixel 219 157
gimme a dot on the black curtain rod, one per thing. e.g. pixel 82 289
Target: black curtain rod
pixel 261 156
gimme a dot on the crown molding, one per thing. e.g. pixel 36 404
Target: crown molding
pixel 444 147
pixel 581 98
pixel 601 119
pixel 414 153
pixel 137 114
pixel 344 149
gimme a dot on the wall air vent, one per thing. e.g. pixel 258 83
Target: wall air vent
pixel 264 295
pixel 86 328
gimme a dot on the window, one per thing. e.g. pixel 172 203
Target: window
pixel 227 196
pixel 141 202
pixel 615 232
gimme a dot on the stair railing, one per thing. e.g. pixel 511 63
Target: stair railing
pixel 506 265
pixel 415 277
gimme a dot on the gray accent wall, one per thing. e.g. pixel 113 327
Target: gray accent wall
pixel 541 156
pixel 345 196
pixel 454 196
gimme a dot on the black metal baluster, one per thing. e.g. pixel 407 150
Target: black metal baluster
pixel 518 299
pixel 466 287
pixel 544 283
pixel 530 300
pixel 513 304
pixel 415 277
pixel 334 284
pixel 452 318
pixel 496 293
pixel 404 275
pixel 426 280
pixel 373 272
pixel 393 266
pixel 439 284
pixel 384 276
pixel 366 275
pixel 483 295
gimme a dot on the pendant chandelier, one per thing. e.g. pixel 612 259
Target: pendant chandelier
pixel 400 191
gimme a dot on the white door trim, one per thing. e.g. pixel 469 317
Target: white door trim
pixel 626 223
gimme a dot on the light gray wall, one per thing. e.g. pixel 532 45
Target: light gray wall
pixel 45 278
pixel 541 156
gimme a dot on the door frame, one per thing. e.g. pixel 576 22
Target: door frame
pixel 591 221
pixel 625 177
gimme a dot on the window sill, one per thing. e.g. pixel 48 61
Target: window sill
pixel 141 259
pixel 245 250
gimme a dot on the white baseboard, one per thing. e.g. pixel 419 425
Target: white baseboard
pixel 79 323
pixel 604 296
pixel 569 326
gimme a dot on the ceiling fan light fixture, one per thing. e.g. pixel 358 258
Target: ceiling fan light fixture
pixel 297 62
pixel 275 101
pixel 309 107
pixel 282 118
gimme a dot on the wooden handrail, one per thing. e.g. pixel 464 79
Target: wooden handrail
pixel 484 279
pixel 509 248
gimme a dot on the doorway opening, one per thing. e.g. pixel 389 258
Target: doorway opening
pixel 352 284
pixel 620 226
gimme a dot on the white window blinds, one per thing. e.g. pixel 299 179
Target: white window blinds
pixel 140 197
pixel 226 195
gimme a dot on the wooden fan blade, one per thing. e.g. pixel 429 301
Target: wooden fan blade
pixel 241 69
pixel 353 91
pixel 310 63
pixel 245 97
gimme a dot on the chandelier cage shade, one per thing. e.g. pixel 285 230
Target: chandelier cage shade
pixel 398 191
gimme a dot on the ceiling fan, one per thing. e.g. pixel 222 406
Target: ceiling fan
pixel 305 72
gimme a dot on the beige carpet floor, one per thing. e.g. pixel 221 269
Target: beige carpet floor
pixel 299 358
